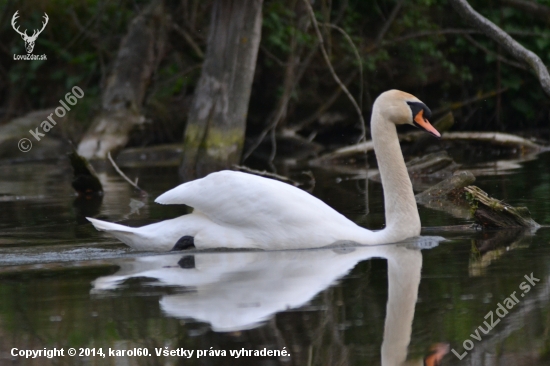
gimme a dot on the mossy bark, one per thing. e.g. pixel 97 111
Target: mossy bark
pixel 214 135
pixel 492 213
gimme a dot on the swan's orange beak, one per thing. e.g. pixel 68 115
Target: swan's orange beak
pixel 423 123
pixel 438 351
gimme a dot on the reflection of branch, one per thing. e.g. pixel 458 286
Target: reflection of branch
pixel 329 64
pixel 505 40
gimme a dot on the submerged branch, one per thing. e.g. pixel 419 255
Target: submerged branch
pixel 133 184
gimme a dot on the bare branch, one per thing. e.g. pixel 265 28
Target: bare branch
pixel 357 56
pixel 528 34
pixel 439 32
pixel 322 109
pixel 336 78
pixel 508 43
pixel 182 32
pixel 532 7
pixel 496 55
pixel 457 105
pixel 389 22
pixel 133 184
pixel 277 60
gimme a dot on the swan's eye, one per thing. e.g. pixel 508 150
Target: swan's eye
pixel 417 107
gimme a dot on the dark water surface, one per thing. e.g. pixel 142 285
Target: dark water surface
pixel 65 285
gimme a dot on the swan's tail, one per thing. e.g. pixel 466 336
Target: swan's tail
pixel 127 235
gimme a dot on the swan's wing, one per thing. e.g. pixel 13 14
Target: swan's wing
pixel 247 200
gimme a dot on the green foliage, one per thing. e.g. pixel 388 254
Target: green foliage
pixel 416 53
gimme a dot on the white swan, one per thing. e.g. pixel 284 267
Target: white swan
pixel 239 210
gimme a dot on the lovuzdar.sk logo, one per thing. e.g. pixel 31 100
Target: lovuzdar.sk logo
pixel 29 40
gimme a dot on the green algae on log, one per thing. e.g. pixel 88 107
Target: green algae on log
pixel 492 213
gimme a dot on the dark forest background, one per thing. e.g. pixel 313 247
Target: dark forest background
pixel 419 46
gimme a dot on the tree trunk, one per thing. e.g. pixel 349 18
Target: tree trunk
pixel 214 135
pixel 137 58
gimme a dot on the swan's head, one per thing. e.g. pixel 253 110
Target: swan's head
pixel 403 108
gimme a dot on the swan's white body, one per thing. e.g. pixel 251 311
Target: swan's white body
pixel 239 210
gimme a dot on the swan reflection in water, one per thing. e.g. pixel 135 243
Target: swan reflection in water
pixel 235 291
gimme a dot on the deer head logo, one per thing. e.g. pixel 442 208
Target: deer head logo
pixel 29 40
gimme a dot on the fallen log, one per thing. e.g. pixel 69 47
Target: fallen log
pixel 431 163
pixel 449 189
pixel 492 213
pixel 448 195
pixel 421 138
pixel 497 138
pixel 427 169
pixel 443 124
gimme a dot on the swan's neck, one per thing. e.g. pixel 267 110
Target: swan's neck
pixel 403 281
pixel 402 219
